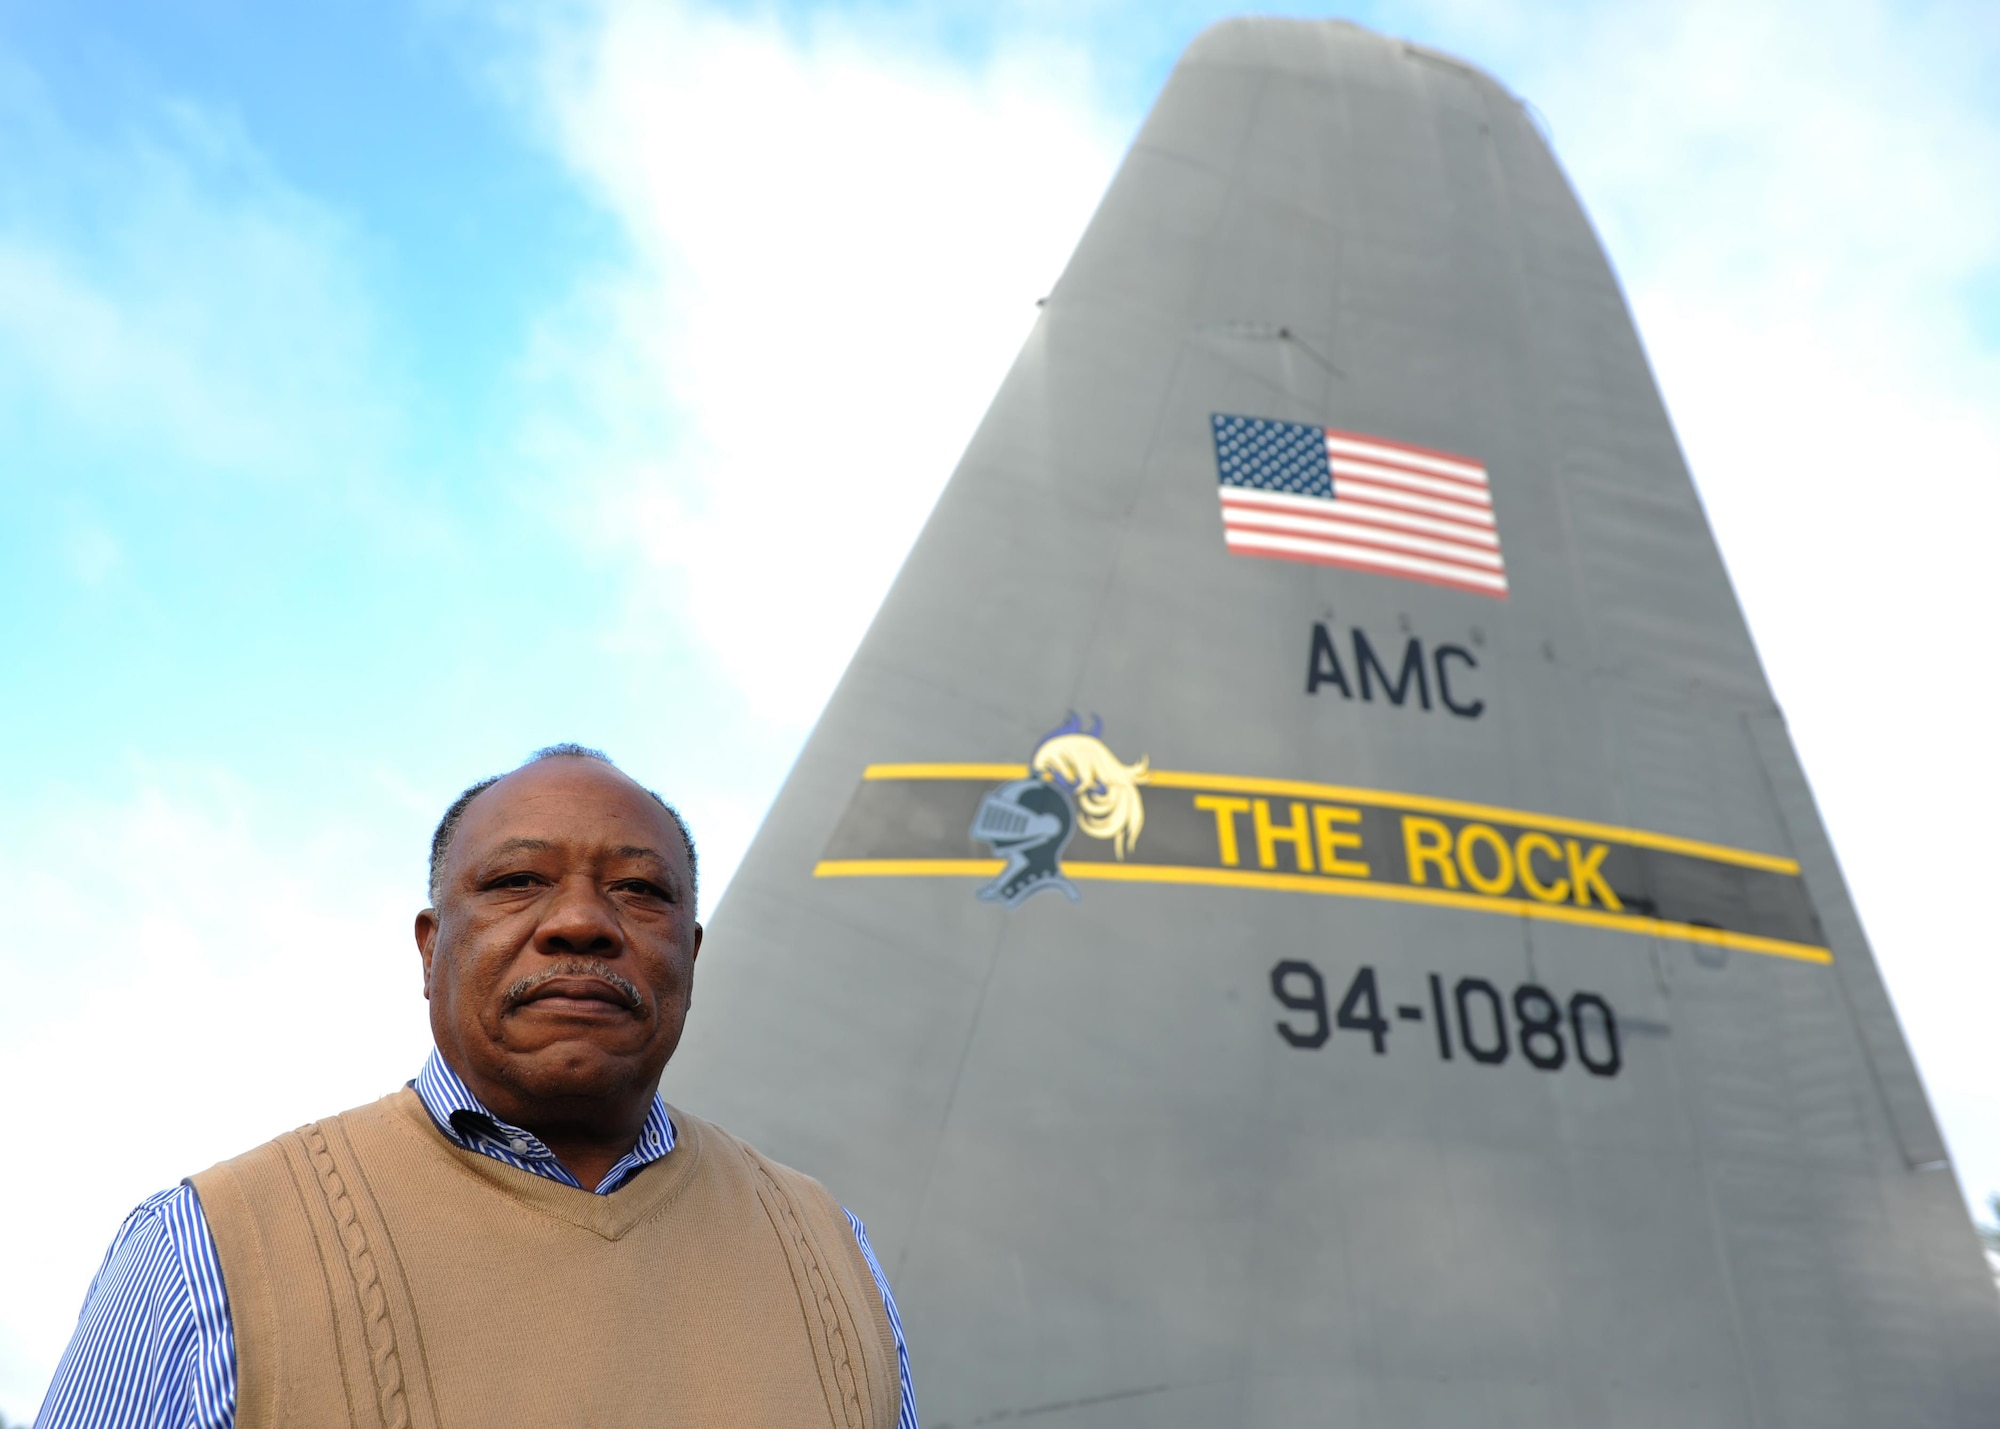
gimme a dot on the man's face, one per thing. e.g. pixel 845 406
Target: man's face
pixel 560 957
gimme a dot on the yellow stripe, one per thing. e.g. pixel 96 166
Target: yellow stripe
pixel 1340 887
pixel 1376 799
pixel 945 771
pixel 908 867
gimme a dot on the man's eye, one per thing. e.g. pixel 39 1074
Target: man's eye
pixel 644 889
pixel 516 880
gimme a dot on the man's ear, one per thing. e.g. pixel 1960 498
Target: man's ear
pixel 427 932
pixel 694 951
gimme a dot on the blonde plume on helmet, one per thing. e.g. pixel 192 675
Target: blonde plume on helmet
pixel 1106 789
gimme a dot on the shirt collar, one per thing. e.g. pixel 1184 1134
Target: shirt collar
pixel 466 1120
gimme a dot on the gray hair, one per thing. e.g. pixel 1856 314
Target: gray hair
pixel 447 827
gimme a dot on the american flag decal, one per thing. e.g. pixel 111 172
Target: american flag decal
pixel 1299 493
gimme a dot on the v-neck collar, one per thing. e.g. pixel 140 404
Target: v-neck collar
pixel 609 1214
pixel 469 1123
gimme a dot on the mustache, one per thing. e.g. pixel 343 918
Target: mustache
pixel 518 991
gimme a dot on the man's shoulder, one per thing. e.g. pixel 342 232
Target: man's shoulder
pixel 309 1139
pixel 165 1223
pixel 162 1206
pixel 705 1138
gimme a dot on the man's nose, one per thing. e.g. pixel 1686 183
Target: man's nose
pixel 579 919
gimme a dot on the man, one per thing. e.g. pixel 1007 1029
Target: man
pixel 526 1234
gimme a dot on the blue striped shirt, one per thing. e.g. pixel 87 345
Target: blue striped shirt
pixel 153 1348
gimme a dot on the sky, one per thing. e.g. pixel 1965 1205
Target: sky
pixel 389 389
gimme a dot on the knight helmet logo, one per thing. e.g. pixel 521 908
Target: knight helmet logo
pixel 1074 783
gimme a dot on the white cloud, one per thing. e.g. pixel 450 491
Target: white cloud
pixel 835 252
pixel 169 300
pixel 187 970
pixel 95 554
pixel 188 973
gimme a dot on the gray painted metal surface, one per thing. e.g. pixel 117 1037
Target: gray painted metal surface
pixel 1113 1174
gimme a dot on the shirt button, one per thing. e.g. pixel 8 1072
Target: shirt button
pixel 520 1146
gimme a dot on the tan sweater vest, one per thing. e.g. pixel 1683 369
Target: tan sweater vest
pixel 381 1277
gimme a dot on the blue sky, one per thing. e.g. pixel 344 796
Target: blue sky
pixel 388 389
pixel 338 243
